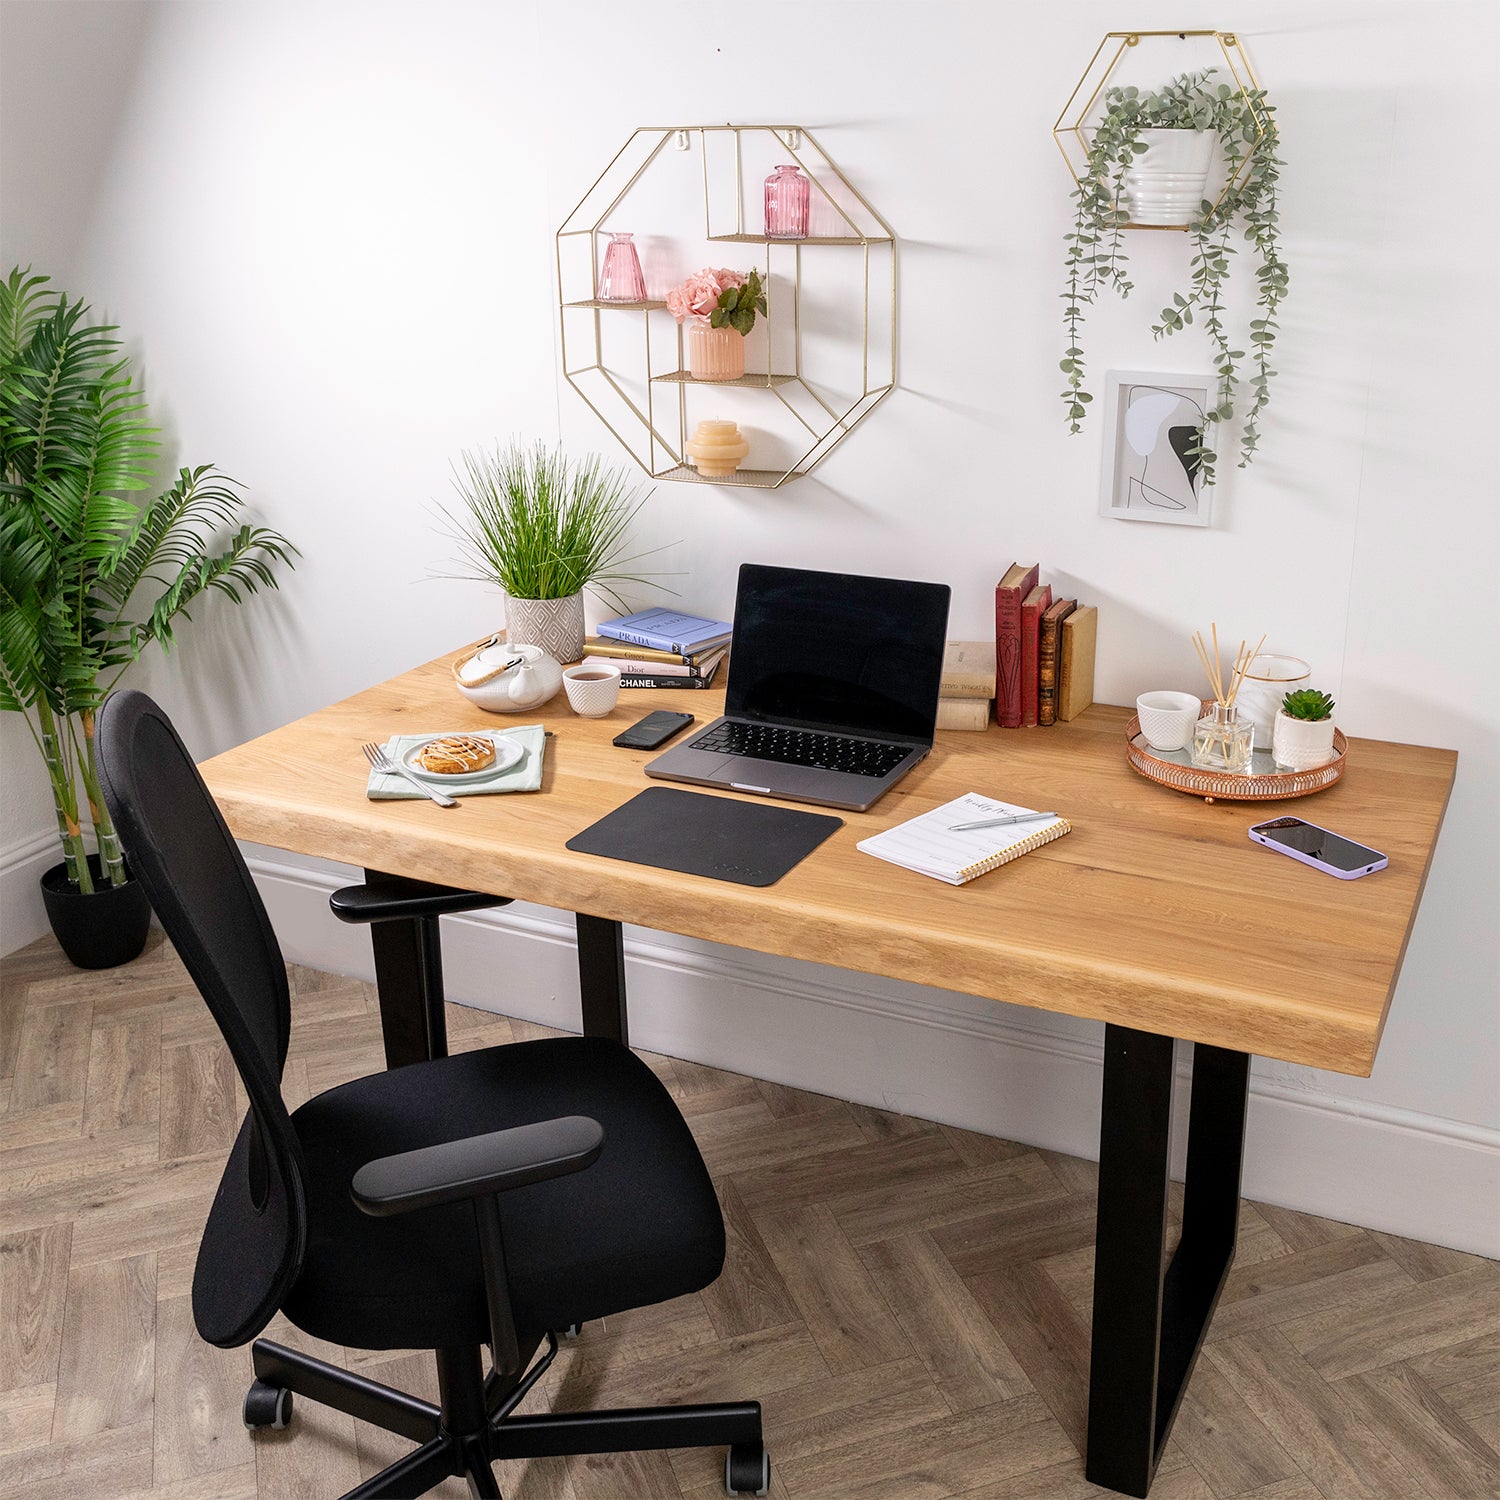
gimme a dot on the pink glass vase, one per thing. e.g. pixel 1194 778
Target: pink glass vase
pixel 621 279
pixel 714 353
pixel 787 194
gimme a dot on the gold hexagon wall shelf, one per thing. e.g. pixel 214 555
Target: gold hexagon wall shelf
pixel 1072 133
pixel 805 371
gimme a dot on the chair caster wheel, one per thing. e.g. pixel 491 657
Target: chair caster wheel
pixel 267 1406
pixel 747 1470
pixel 570 1332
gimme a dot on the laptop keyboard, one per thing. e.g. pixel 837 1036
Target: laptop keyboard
pixel 803 747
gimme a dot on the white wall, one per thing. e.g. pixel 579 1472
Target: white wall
pixel 328 227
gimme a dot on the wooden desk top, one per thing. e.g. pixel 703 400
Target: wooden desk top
pixel 1156 912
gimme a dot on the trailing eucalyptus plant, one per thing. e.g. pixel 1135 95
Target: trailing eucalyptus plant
pixel 1096 258
pixel 89 575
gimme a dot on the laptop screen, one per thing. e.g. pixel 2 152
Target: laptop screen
pixel 838 651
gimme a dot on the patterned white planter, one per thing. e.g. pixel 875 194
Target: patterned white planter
pixel 1301 744
pixel 556 625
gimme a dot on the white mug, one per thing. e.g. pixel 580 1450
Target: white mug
pixel 1167 719
pixel 593 688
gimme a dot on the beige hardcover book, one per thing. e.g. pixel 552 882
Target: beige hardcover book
pixel 968 670
pixel 598 645
pixel 1075 661
pixel 963 713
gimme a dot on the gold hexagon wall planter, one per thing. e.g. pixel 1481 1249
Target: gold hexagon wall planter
pixel 1072 133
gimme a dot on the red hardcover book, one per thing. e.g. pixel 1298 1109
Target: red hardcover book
pixel 1019 581
pixel 1033 607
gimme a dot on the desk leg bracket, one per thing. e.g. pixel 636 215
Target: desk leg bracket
pixel 1149 1322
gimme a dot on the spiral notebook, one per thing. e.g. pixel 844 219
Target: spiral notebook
pixel 930 846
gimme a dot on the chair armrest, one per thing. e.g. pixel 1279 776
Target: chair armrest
pixel 394 898
pixel 477 1166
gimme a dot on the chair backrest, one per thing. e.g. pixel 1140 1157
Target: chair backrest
pixel 180 849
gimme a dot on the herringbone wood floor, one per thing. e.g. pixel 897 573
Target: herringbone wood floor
pixel 909 1301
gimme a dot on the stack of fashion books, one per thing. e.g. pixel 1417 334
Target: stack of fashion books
pixel 661 648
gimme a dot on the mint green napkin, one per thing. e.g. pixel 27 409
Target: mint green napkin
pixel 524 776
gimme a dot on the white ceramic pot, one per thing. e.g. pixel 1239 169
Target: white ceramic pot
pixel 518 689
pixel 1301 744
pixel 1167 183
pixel 1270 678
pixel 1167 719
pixel 556 625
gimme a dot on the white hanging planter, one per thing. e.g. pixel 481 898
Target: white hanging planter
pixel 1301 744
pixel 1166 186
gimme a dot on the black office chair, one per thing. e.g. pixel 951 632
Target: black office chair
pixel 491 1198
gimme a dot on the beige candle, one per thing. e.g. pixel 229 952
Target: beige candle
pixel 716 449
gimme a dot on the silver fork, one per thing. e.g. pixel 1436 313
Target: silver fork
pixel 382 762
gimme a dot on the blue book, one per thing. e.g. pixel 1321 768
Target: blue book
pixel 667 630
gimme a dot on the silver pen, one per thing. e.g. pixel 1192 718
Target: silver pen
pixel 1002 822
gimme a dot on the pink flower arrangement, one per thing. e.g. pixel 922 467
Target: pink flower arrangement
pixel 699 295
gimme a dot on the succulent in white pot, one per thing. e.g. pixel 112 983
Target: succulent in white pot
pixel 1302 736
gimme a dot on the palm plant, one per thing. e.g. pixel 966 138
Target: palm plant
pixel 88 575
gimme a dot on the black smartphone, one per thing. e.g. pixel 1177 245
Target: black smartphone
pixel 655 729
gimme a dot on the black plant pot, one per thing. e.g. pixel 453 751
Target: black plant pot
pixel 99 930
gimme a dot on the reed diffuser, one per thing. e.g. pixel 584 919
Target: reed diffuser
pixel 1223 739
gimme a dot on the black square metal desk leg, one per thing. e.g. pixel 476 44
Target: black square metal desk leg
pixel 601 978
pixel 409 982
pixel 1149 1320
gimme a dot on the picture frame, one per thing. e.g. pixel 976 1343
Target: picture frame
pixel 1151 417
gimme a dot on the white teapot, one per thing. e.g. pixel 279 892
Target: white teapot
pixel 507 679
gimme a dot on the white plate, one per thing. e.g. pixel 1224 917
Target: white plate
pixel 508 752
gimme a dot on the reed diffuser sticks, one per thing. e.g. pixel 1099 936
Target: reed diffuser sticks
pixel 1222 740
pixel 1213 666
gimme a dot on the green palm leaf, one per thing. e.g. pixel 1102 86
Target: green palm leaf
pixel 77 548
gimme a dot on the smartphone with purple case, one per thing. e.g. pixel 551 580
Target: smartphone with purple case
pixel 1319 847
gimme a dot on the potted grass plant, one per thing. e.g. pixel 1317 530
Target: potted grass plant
pixel 543 528
pixel 90 577
pixel 1146 152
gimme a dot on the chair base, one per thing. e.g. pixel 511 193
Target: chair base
pixel 473 1427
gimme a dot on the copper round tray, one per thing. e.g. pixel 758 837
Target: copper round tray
pixel 1263 783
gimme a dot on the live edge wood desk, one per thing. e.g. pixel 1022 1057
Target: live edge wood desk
pixel 1156 915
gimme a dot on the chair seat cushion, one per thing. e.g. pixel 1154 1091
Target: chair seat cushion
pixel 641 1225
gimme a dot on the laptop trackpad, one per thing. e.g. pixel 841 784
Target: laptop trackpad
pixel 772 776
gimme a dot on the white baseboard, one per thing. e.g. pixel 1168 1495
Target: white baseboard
pixel 23 919
pixel 1024 1075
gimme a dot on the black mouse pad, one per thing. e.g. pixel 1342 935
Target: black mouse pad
pixel 749 843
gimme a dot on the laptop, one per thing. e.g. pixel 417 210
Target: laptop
pixel 833 688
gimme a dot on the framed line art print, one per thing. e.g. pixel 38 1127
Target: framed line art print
pixel 1152 421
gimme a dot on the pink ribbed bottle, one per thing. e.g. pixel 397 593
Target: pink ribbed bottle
pixel 621 279
pixel 787 195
